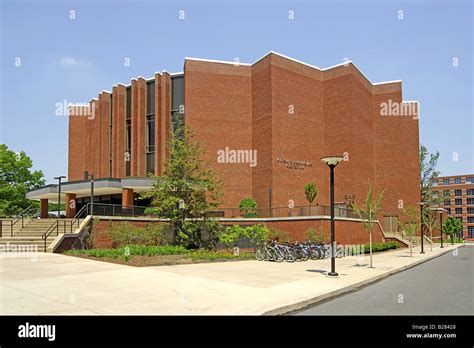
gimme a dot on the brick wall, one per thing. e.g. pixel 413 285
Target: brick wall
pixel 347 231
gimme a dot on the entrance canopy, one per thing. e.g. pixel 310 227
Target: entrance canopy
pixel 105 186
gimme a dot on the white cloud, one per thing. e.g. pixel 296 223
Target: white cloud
pixel 71 61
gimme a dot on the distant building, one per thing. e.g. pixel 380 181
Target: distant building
pixel 458 194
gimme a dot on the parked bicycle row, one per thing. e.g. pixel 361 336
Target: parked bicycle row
pixel 291 252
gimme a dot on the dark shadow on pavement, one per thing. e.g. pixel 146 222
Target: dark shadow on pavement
pixel 317 271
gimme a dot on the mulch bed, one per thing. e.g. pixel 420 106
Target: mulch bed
pixel 156 260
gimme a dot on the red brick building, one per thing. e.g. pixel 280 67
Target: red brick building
pixel 279 115
pixel 458 199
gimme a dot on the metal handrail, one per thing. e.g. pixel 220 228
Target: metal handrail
pixel 48 232
pixel 77 217
pixel 55 225
pixel 21 217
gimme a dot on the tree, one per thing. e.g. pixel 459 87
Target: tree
pixel 16 179
pixel 428 173
pixel 368 215
pixel 452 226
pixel 186 192
pixel 248 207
pixel 430 221
pixel 411 224
pixel 310 192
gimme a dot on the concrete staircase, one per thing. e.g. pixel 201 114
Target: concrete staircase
pixel 31 234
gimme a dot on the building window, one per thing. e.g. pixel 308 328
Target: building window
pixel 445 181
pixel 470 231
pixel 434 182
pixel 470 192
pixel 128 132
pixel 470 201
pixel 435 194
pixel 459 218
pixel 458 193
pixel 448 210
pixel 470 219
pixel 150 127
pixel 457 181
pixel 446 193
pixel 470 210
pixel 470 180
pixel 458 211
pixel 447 202
pixel 177 103
pixel 458 201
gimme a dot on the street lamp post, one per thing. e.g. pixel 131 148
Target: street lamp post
pixel 421 226
pixel 332 162
pixel 59 178
pixel 88 176
pixel 441 211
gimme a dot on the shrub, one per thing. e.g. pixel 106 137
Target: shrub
pixel 248 207
pixel 122 233
pixel 279 235
pixel 381 246
pixel 132 250
pixel 315 237
pixel 257 234
pixel 152 234
pixel 203 233
pixel 126 233
pixel 231 235
pixel 201 254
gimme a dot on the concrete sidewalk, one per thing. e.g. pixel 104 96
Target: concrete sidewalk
pixel 59 284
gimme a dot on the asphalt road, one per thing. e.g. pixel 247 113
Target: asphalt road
pixel 442 286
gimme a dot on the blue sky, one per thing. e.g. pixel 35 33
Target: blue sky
pixel 74 59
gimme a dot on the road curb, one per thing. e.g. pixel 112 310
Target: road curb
pixel 305 303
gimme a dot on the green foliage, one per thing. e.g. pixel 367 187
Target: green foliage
pixel 368 213
pixel 412 221
pixel 279 235
pixel 310 192
pixel 257 234
pixel 202 254
pixel 451 227
pixel 187 190
pixel 200 233
pixel 381 246
pixel 248 208
pixel 231 235
pixel 16 179
pixel 123 234
pixel 315 237
pixel 428 172
pixel 132 250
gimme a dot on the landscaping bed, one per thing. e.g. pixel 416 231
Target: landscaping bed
pixel 142 256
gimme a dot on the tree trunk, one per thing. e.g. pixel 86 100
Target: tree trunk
pixel 370 247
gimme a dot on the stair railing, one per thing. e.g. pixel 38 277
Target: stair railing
pixel 20 218
pixel 54 226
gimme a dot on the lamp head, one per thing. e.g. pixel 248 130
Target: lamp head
pixel 332 160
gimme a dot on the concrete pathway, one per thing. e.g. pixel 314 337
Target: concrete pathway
pixel 59 284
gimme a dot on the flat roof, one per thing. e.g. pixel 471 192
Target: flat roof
pixel 82 188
